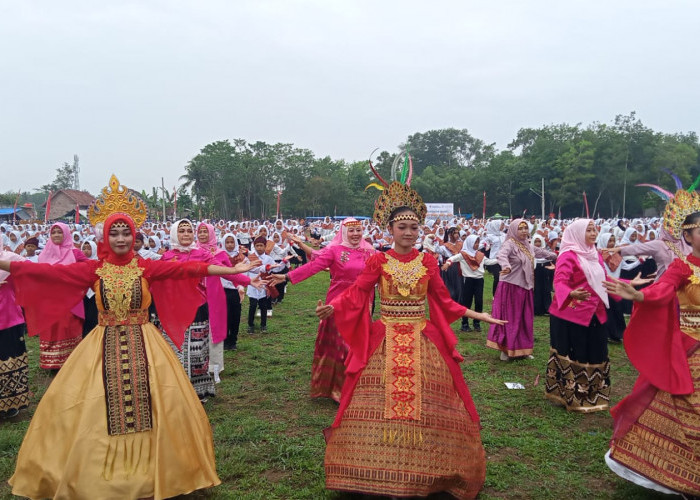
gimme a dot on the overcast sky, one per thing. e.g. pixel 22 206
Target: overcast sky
pixel 137 88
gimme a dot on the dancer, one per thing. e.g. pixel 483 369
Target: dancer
pixel 578 371
pixel 121 419
pixel 406 424
pixel 57 341
pixel 514 296
pixel 654 440
pixel 345 257
pixel 14 369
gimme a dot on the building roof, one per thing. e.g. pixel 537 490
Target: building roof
pixel 79 197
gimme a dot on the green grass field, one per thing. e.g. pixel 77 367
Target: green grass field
pixel 267 431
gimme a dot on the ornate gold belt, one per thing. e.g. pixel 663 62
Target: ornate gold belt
pixel 109 318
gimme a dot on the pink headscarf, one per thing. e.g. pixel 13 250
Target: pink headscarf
pixel 574 240
pixel 341 237
pixel 58 254
pixel 211 244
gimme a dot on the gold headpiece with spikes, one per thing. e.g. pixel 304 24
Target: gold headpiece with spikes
pixel 117 198
pixel 677 209
pixel 397 194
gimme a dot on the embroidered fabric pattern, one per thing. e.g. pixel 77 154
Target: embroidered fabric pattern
pixel 403 386
pixel 118 284
pixel 660 445
pixel 126 382
pixel 405 275
pixel 125 367
pixel 581 387
pixel 14 384
pixel 396 457
pixel 524 249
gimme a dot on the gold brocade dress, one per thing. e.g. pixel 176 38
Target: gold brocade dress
pixel 405 430
pixel 121 419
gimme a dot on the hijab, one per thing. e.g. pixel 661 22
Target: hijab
pixel 210 245
pixel 341 237
pixel 471 256
pixel 104 250
pixel 234 252
pixel 58 254
pixel 175 241
pixel 574 240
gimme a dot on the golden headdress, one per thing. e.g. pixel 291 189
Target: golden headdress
pixel 677 209
pixel 116 197
pixel 397 194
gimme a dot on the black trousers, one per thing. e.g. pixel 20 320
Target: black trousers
pixel 495 271
pixel 233 313
pixel 473 290
pixel 264 305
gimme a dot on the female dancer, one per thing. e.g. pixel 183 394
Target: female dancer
pixel 514 297
pixel 58 340
pixel 578 371
pixel 194 352
pixel 406 424
pixel 345 257
pixel 121 419
pixel 654 441
pixel 14 369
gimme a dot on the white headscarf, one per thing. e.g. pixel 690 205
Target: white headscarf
pixel 174 240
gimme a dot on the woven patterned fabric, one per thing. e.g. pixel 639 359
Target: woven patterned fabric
pixel 14 371
pixel 328 367
pixel 581 387
pixel 441 451
pixel 194 356
pixel 126 381
pixel 664 444
pixel 53 353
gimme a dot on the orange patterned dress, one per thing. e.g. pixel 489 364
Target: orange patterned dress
pixel 406 425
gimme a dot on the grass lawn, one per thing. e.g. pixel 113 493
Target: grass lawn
pixel 267 431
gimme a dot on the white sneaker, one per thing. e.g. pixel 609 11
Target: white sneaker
pixel 269 313
pixel 529 356
pixel 504 356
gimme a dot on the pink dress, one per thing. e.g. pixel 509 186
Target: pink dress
pixel 328 368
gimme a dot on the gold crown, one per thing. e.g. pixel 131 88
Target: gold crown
pixel 678 208
pixel 395 196
pixel 117 198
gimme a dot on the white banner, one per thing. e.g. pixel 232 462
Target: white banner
pixel 440 210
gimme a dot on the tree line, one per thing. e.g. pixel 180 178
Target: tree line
pixel 236 179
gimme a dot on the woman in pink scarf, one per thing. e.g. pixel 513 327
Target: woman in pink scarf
pixel 578 371
pixel 194 354
pixel 514 300
pixel 58 341
pixel 345 258
pixel 216 297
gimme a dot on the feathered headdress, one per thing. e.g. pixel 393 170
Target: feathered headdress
pixel 678 205
pixel 397 194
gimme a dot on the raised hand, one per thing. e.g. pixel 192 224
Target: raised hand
pixel 639 281
pixel 624 290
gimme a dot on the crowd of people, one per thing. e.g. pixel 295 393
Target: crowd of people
pixel 140 314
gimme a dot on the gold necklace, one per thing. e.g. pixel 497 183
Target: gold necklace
pixel 118 285
pixel 405 275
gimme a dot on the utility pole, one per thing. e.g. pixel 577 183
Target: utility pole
pixel 162 186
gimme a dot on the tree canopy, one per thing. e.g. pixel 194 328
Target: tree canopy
pixel 240 179
pixel 236 179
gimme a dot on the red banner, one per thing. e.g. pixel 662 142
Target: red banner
pixel 48 208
